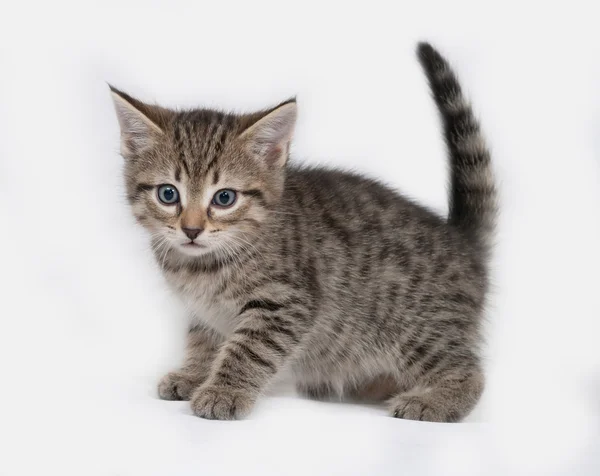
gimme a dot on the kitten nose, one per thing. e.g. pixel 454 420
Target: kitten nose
pixel 192 233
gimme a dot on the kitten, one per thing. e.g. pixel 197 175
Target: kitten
pixel 362 292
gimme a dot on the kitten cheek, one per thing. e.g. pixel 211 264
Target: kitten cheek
pixel 143 220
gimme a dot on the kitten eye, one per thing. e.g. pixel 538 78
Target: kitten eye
pixel 168 194
pixel 224 198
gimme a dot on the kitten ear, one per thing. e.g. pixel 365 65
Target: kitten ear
pixel 270 136
pixel 140 123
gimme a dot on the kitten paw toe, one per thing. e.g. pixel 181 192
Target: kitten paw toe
pixel 221 403
pixel 177 386
pixel 420 409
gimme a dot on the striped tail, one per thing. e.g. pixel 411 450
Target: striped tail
pixel 473 206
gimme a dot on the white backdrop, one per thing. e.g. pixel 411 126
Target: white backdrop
pixel 87 328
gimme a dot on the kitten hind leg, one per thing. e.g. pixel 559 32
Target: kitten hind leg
pixel 373 390
pixel 449 398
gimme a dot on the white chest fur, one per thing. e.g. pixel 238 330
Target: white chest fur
pixel 203 302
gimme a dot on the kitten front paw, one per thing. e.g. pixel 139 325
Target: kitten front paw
pixel 421 408
pixel 177 386
pixel 221 403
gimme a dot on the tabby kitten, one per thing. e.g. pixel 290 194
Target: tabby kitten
pixel 361 292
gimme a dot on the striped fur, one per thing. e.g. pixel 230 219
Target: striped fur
pixel 360 291
pixel 472 190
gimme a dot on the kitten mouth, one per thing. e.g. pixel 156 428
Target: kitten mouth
pixel 192 244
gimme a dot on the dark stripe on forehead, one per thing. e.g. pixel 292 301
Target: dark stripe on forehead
pixel 190 133
pixel 226 128
pixel 216 144
pixel 212 164
pixel 178 173
pixel 200 137
pixel 180 150
pixel 186 169
pixel 218 139
pixel 208 133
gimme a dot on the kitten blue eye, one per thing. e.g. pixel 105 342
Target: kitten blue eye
pixel 224 198
pixel 168 194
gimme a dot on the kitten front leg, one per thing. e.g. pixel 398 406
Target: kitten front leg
pixel 268 333
pixel 200 353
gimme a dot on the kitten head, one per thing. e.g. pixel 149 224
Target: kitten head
pixel 203 181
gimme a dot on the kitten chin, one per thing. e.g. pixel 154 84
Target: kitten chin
pixel 193 249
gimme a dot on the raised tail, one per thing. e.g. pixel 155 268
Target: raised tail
pixel 473 205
